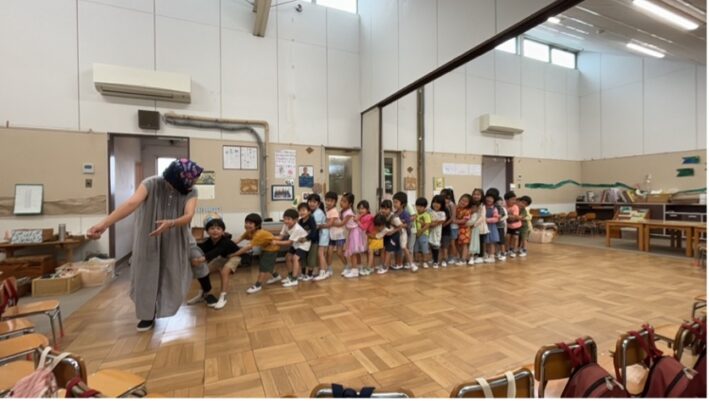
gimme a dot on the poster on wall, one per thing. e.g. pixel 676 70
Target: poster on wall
pixel 231 157
pixel 249 186
pixel 282 193
pixel 305 176
pixel 205 185
pixel 410 183
pixel 250 158
pixel 439 184
pixel 474 169
pixel 28 199
pixel 448 169
pixel 285 163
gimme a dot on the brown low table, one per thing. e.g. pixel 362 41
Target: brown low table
pixel 67 246
pixel 638 225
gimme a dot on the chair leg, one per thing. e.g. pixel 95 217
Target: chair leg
pixel 61 323
pixel 51 324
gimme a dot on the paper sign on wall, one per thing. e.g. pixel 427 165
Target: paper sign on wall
pixel 461 169
pixel 285 163
pixel 250 158
pixel 231 157
pixel 205 185
pixel 474 169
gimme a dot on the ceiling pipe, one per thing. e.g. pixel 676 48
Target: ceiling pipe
pixel 262 9
pixel 233 125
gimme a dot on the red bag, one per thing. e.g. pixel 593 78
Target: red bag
pixel 697 388
pixel 667 377
pixel 588 379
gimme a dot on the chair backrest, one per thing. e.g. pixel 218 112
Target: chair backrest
pixel 9 290
pixel 524 386
pixel 590 216
pixel 326 391
pixel 572 215
pixel 629 352
pixel 553 363
pixel 70 367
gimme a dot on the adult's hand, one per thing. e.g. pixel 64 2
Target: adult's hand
pixel 96 231
pixel 163 225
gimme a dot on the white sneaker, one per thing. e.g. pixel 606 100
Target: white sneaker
pixel 478 260
pixel 501 258
pixel 197 299
pixel 523 254
pixel 345 271
pixel 489 260
pixel 415 267
pixel 290 282
pixel 407 267
pixel 471 261
pixel 512 255
pixel 460 263
pixel 222 301
pixel 305 277
pixel 382 270
pixel 273 279
pixel 436 265
pixel 282 281
pixel 330 271
pixel 397 267
pixel 253 289
pixel 443 264
pixel 352 273
pixel 364 271
pixel 322 275
pixel 425 265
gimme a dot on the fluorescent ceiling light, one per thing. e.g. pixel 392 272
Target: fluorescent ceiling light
pixel 645 50
pixel 666 14
pixel 554 20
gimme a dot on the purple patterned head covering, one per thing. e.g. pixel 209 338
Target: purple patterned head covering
pixel 181 174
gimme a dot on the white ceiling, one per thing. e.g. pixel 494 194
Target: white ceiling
pixel 610 24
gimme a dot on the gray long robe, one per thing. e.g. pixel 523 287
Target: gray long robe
pixel 160 266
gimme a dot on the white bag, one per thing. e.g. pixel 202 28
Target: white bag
pixel 40 383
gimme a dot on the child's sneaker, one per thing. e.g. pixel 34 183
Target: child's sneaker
pixel 501 257
pixel 460 263
pixel 352 273
pixel 382 270
pixel 443 264
pixel 304 277
pixel 322 275
pixel 523 253
pixel 397 267
pixel 290 282
pixel 330 271
pixel 286 279
pixel 274 279
pixel 471 261
pixel 489 259
pixel 345 271
pixel 222 301
pixel 436 265
pixel 211 301
pixel 364 271
pixel 425 265
pixel 512 254
pixel 406 266
pixel 197 299
pixel 253 289
pixel 415 267
pixel 478 260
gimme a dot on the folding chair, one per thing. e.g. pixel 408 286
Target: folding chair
pixel 552 363
pixel 498 387
pixel 701 301
pixel 14 310
pixel 326 391
pixel 628 352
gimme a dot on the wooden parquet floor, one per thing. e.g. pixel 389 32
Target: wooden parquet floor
pixel 426 331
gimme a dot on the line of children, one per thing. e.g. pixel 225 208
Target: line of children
pixel 480 229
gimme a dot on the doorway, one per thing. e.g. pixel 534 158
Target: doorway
pixel 497 173
pixel 131 159
pixel 393 174
pixel 343 167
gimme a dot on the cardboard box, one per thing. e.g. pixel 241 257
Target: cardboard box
pixel 55 286
pixel 31 235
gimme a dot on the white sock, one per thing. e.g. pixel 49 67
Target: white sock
pixel 222 295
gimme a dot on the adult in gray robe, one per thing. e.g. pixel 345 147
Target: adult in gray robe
pixel 160 264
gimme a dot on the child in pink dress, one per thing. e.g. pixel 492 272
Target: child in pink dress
pixel 357 247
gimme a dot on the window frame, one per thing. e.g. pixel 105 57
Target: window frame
pixel 574 57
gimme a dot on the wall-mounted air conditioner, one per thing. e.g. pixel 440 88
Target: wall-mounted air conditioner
pixel 111 80
pixel 494 124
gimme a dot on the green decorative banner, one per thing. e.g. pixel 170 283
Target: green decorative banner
pixel 540 185
pixel 685 172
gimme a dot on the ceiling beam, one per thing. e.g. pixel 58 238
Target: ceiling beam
pixel 262 8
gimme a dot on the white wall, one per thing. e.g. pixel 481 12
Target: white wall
pixel 127 152
pixel 635 106
pixel 303 77
pixel 401 40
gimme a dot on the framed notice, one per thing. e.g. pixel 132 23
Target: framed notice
pixel 231 157
pixel 250 158
pixel 28 199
